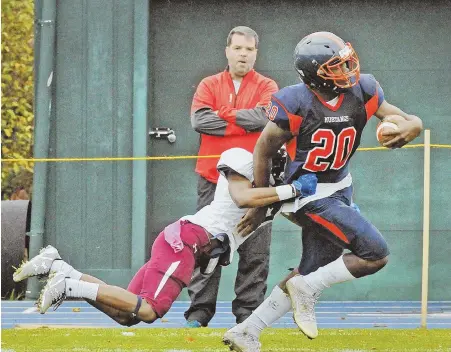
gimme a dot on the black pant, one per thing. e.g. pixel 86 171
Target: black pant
pixel 250 283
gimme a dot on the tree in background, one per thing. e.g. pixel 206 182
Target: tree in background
pixel 17 94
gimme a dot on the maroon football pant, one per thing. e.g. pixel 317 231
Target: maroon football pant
pixel 163 277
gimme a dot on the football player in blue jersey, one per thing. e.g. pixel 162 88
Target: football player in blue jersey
pixel 321 121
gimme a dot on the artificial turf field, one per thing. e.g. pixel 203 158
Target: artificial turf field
pixel 207 339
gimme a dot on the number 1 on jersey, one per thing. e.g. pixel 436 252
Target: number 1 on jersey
pixel 341 145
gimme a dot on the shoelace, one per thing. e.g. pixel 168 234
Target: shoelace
pixel 59 301
pixel 57 298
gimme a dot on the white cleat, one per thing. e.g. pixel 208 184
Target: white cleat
pixel 39 265
pixel 53 293
pixel 241 342
pixel 303 302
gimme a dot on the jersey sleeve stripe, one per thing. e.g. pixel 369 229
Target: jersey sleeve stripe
pixel 291 147
pixel 372 105
pixel 295 121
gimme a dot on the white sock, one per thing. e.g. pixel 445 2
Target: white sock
pixel 332 273
pixel 273 308
pixel 67 269
pixel 81 289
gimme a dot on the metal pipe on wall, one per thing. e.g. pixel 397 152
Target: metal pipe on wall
pixel 45 15
pixel 140 137
pixel 426 227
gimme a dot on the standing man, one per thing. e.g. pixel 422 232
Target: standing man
pixel 227 111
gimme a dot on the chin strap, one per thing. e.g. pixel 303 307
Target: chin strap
pixel 217 255
pixel 224 241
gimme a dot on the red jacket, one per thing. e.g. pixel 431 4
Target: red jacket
pixel 217 92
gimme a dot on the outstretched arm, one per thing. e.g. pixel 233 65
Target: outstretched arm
pixel 244 196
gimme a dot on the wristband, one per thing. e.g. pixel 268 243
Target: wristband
pixel 286 192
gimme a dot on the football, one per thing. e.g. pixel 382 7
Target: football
pixel 384 126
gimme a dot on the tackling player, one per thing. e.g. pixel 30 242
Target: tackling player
pixel 192 240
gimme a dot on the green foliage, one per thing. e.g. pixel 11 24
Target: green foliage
pixel 209 340
pixel 17 93
pixel 14 296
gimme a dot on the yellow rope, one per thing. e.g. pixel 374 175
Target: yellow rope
pixel 182 157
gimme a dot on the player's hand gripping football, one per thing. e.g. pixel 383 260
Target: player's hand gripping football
pixel 406 131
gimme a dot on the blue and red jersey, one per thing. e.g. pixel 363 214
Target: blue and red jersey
pixel 325 136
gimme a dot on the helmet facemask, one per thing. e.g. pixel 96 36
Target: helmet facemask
pixel 343 70
pixel 278 167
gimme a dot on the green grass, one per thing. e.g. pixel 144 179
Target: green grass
pixel 209 340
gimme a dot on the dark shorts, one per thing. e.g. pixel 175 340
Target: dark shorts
pixel 334 219
pixel 163 277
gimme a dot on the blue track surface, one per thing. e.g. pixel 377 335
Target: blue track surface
pixel 393 315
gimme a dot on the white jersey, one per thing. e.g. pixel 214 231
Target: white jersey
pixel 222 215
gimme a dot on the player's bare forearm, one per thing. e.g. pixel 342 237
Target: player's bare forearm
pixel 270 141
pixel 387 109
pixel 245 196
pixel 256 197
